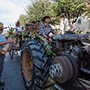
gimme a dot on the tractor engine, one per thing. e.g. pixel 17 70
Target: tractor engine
pixel 72 58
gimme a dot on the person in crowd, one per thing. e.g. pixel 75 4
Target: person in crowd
pixel 3 42
pixel 45 29
pixel 19 27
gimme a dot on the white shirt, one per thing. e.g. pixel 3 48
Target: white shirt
pixel 19 28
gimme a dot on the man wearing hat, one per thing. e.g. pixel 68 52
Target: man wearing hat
pixel 3 42
pixel 45 29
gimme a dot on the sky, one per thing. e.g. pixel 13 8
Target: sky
pixel 10 10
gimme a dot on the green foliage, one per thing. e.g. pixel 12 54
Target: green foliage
pixel 56 9
pixel 40 8
pixel 87 12
pixel 22 19
pixel 48 48
pixel 37 10
pixel 69 8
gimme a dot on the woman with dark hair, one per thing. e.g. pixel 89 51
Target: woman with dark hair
pixel 45 29
pixel 19 27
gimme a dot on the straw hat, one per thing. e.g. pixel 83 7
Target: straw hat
pixel 1 26
pixel 44 17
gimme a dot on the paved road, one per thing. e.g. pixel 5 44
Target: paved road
pixel 12 74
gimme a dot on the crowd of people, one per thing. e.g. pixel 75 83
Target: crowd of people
pixel 45 30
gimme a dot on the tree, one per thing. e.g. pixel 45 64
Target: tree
pixel 69 8
pixel 87 12
pixel 22 19
pixel 39 8
pixel 57 9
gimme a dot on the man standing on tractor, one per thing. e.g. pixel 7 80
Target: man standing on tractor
pixel 45 29
pixel 3 45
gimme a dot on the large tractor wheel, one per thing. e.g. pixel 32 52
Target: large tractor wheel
pixel 34 66
pixel 64 70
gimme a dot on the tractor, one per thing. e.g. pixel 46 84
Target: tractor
pixel 63 64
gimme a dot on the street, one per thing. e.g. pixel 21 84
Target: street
pixel 12 74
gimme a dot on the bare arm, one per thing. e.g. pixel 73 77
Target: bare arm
pixel 3 43
pixel 6 42
pixel 45 36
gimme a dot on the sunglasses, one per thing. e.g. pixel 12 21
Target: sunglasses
pixel 1 29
